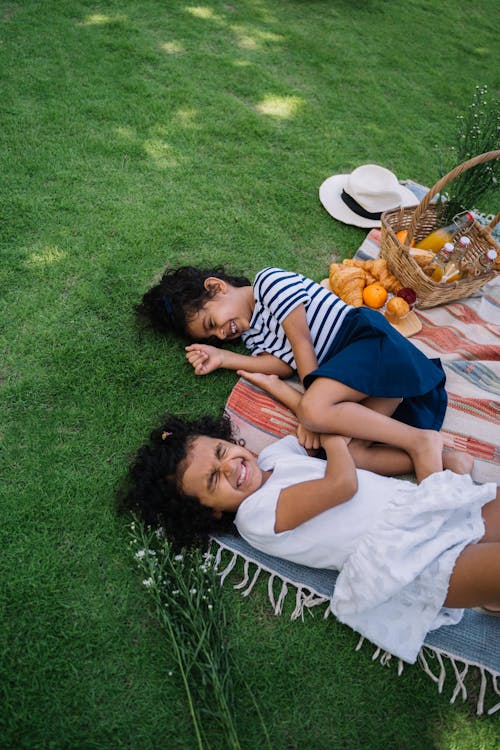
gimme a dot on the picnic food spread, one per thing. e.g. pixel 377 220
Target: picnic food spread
pixel 349 279
pixel 370 283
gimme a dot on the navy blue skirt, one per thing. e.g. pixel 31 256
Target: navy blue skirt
pixel 371 356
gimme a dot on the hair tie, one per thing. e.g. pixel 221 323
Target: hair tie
pixel 167 301
pixel 165 435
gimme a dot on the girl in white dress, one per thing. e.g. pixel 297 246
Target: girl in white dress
pixel 410 556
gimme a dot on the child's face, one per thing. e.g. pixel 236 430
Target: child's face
pixel 226 315
pixel 220 474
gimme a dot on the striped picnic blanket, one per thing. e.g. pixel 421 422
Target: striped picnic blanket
pixel 465 335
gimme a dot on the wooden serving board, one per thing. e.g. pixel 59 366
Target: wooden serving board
pixel 407 326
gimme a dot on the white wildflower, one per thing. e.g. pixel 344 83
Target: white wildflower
pixel 192 591
pixel 140 554
pixel 148 582
pixel 179 557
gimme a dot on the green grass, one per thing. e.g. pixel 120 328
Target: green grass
pixel 135 134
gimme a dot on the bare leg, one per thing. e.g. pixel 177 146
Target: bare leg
pixel 391 461
pixel 329 406
pixel 491 517
pixel 385 406
pixel 385 460
pixel 381 459
pixel 475 580
pixel 458 461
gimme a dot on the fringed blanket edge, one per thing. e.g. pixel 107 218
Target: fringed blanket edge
pixel 306 597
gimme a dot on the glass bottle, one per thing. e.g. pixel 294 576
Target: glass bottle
pixel 487 261
pixel 442 259
pixel 452 272
pixel 436 239
pixel 460 251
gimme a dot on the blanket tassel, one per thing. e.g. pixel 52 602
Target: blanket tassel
pixel 438 679
pixel 244 581
pixel 228 568
pixel 277 605
pixel 306 599
pixel 460 676
pixel 494 682
pixel 252 582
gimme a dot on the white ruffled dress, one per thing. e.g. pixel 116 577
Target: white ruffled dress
pixel 395 544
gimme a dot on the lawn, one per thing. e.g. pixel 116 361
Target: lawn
pixel 135 134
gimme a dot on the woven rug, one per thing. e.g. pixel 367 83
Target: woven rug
pixel 466 336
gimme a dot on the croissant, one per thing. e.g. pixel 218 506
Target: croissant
pixel 364 264
pixel 422 257
pixel 347 283
pixel 376 270
pixel 333 268
pixel 380 270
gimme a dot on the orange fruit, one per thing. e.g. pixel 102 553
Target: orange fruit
pixel 374 295
pixel 402 235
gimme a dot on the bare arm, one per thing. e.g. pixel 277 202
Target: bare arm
pixel 301 502
pixel 205 358
pixel 298 334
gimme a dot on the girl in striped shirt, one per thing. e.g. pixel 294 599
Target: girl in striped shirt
pixel 362 378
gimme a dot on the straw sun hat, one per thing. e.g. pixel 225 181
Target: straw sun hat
pixel 362 196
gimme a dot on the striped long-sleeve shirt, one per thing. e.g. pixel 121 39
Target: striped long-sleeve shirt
pixel 277 293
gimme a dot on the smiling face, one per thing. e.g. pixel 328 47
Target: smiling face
pixel 220 474
pixel 226 315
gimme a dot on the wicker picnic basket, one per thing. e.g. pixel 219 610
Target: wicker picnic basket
pixel 421 221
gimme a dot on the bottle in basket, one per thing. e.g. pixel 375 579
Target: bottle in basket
pixel 484 264
pixel 436 239
pixel 454 268
pixel 460 250
pixel 487 261
pixel 452 272
pixel 441 261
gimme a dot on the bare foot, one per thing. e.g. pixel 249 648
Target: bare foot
pixel 458 461
pixel 427 456
pixel 490 609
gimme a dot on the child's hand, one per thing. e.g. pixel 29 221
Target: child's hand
pixel 309 440
pixel 204 358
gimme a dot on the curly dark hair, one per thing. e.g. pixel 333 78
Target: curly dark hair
pixel 153 491
pixel 168 306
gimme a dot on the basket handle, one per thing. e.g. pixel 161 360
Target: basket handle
pixel 493 223
pixel 456 172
